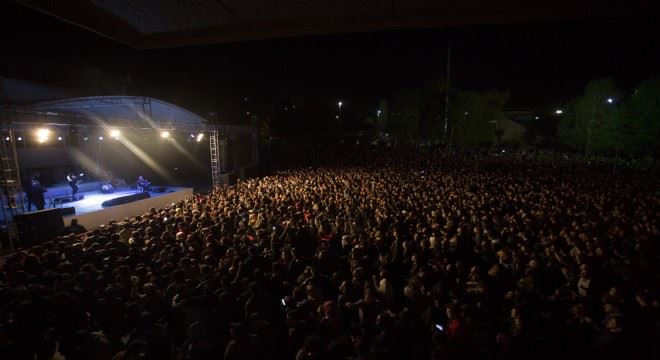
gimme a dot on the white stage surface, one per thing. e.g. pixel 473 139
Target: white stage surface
pixel 91 214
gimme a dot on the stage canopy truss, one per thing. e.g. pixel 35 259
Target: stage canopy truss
pixel 120 112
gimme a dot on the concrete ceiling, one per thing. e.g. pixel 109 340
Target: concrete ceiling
pixel 146 24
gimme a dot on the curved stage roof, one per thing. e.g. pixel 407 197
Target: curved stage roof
pixel 116 111
pixel 134 111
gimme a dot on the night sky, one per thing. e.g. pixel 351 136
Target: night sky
pixel 541 64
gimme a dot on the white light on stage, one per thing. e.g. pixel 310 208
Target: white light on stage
pixel 200 136
pixel 7 138
pixel 165 134
pixel 59 138
pixel 42 135
pixel 115 133
pixel 20 138
pixel 100 138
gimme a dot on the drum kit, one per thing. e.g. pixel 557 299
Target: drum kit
pixel 107 188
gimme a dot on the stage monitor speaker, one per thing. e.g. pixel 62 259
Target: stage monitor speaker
pixel 125 199
pixel 67 198
pixel 39 226
pixel 66 211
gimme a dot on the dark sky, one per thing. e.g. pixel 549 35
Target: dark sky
pixel 541 64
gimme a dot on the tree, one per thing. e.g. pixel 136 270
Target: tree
pixel 641 120
pixel 433 110
pixel 405 116
pixel 590 121
pixel 472 115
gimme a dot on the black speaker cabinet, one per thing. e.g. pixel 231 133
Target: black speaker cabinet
pixel 66 211
pixel 39 226
pixel 126 199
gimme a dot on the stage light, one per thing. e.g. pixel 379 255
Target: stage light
pixel 200 136
pixel 20 138
pixel 59 138
pixel 42 135
pixel 165 134
pixel 192 136
pixel 7 138
pixel 85 138
pixel 100 138
pixel 115 133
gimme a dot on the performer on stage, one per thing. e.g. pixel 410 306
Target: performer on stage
pixel 73 182
pixel 142 184
pixel 35 195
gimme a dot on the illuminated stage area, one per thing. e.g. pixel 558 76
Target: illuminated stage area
pixel 93 200
pixel 90 212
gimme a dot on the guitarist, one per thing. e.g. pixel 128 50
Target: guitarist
pixel 73 182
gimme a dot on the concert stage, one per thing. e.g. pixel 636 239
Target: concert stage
pixel 90 212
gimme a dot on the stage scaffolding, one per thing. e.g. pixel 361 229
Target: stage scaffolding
pixel 104 112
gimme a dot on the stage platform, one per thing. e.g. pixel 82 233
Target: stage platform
pixel 90 213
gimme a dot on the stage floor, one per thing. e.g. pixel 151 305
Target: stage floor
pixel 93 199
pixel 90 213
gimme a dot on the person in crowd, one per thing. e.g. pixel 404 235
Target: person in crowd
pixel 397 254
pixel 74 228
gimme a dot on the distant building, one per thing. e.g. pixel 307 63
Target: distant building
pixel 512 124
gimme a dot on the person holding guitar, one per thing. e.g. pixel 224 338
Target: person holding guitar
pixel 73 182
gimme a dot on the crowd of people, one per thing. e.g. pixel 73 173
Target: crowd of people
pixel 396 255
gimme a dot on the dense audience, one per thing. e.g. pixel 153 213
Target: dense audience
pixel 402 255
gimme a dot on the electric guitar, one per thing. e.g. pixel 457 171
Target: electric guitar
pixel 72 178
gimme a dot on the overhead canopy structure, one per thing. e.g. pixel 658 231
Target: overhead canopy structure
pixel 157 24
pixel 116 111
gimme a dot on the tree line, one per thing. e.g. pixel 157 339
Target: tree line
pixel 605 120
pixel 602 120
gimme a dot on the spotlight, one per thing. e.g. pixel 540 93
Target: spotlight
pixel 59 138
pixel 200 136
pixel 85 138
pixel 42 135
pixel 100 138
pixel 20 138
pixel 192 136
pixel 115 133
pixel 165 134
pixel 7 138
